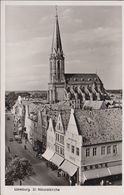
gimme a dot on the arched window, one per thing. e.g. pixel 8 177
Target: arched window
pixel 58 63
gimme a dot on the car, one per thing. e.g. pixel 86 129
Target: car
pixel 17 137
pixel 35 148
pixel 11 139
pixel 19 141
pixel 14 132
pixel 8 118
pixel 39 156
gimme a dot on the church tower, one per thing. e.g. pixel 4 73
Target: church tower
pixel 56 76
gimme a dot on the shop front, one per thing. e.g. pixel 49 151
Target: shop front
pixel 95 176
pixel 71 172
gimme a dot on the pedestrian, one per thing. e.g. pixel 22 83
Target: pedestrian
pixel 8 149
pixel 20 182
pixel 70 182
pixel 58 174
pixel 25 147
pixel 102 182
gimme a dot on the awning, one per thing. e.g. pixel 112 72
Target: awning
pixel 95 173
pixel 68 167
pixel 57 159
pixel 48 154
pixel 116 170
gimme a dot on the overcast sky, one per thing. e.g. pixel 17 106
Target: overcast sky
pixel 91 40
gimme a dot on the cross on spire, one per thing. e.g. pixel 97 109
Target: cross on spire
pixel 56 11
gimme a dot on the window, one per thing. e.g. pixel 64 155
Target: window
pixel 115 149
pixel 61 151
pixel 77 151
pixel 59 126
pixel 108 149
pixel 94 151
pixel 56 136
pixel 72 149
pixel 61 139
pixel 85 168
pixel 87 152
pixel 57 149
pixel 68 146
pixel 102 150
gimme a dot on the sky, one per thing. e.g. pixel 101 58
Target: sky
pixel 91 40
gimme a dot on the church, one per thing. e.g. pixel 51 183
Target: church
pixel 66 86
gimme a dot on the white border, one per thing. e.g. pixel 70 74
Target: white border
pixel 5 190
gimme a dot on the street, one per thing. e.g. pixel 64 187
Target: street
pixel 43 175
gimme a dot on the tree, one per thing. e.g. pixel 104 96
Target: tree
pixel 18 169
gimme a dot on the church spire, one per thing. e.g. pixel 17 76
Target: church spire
pixel 56 43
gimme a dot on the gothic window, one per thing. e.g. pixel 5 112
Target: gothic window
pixel 94 151
pixel 115 149
pixel 58 62
pixel 87 152
pixel 102 150
pixel 108 149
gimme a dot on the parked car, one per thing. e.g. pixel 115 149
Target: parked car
pixel 14 132
pixel 17 137
pixel 19 141
pixel 8 118
pixel 11 139
pixel 35 148
pixel 39 155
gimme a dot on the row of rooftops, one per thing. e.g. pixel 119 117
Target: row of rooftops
pixel 96 126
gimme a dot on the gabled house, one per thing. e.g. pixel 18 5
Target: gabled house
pixel 50 146
pixel 60 128
pixel 93 145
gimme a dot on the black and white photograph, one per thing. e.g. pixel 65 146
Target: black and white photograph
pixel 63 95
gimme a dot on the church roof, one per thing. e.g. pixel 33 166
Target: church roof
pixel 99 126
pixel 81 77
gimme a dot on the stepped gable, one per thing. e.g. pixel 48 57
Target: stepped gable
pixel 99 126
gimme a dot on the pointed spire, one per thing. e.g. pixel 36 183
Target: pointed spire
pixel 56 43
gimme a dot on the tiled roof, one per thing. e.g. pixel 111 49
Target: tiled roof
pixel 99 126
pixel 53 110
pixel 94 104
pixel 65 115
